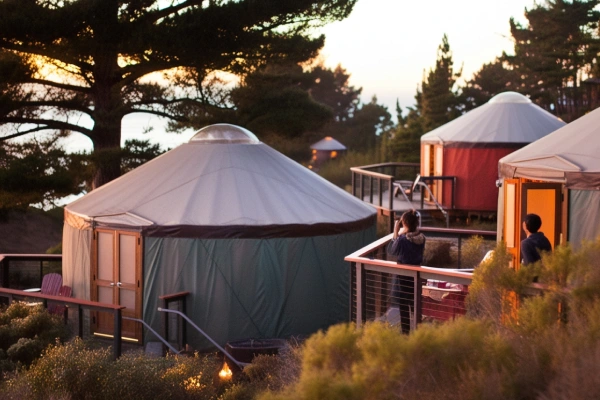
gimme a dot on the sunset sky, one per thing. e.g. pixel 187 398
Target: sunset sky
pixel 386 45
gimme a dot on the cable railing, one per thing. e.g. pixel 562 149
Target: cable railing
pixel 403 295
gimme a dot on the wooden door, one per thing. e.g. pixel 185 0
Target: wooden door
pixel 117 279
pixel 545 200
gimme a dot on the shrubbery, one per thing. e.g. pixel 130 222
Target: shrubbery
pixel 25 331
pixel 515 344
pixel 76 371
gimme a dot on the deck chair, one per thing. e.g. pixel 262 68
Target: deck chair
pixel 51 284
pixel 65 291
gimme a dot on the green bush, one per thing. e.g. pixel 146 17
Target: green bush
pixel 77 371
pixel 338 171
pixel 25 331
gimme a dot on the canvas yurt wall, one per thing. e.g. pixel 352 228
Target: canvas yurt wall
pixel 470 146
pixel 258 240
pixel 557 177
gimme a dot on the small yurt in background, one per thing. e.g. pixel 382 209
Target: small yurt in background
pixel 558 178
pixel 258 240
pixel 324 150
pixel 470 146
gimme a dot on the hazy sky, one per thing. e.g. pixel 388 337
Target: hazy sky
pixel 386 45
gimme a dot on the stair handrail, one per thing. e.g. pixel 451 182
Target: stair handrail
pixel 155 334
pixel 438 205
pixel 240 364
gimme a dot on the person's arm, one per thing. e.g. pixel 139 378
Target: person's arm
pixel 399 229
pixel 527 255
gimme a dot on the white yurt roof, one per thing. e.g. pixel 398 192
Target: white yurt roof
pixel 223 182
pixel 328 144
pixel 508 117
pixel 570 155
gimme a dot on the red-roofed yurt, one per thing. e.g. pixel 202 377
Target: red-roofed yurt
pixel 469 147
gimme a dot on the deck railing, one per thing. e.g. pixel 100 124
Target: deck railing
pixel 79 305
pixel 402 294
pixel 31 264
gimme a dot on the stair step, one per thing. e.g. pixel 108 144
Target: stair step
pixel 154 349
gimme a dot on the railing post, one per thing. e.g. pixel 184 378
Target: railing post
pixel 4 267
pixel 418 299
pixel 117 334
pixel 359 295
pixel 79 321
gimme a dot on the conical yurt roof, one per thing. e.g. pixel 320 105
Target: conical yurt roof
pixel 328 144
pixel 508 118
pixel 223 183
pixel 570 155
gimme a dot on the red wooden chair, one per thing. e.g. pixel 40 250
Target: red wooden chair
pixel 51 284
pixel 65 291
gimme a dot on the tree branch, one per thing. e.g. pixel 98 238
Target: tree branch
pixel 47 124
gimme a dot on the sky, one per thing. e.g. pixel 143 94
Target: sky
pixel 385 46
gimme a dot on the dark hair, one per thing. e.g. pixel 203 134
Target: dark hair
pixel 533 222
pixel 410 220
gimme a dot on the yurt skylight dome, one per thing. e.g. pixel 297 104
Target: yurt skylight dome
pixel 510 97
pixel 224 133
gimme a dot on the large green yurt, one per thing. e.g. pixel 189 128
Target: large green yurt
pixel 256 239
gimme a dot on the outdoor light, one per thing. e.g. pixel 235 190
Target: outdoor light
pixel 334 154
pixel 225 372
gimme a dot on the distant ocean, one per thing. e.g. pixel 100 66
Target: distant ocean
pixel 133 127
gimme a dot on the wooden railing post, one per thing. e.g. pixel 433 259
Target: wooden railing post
pixel 117 334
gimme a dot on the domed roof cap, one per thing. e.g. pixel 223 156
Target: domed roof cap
pixel 510 97
pixel 224 133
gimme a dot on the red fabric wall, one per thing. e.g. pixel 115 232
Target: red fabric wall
pixel 476 171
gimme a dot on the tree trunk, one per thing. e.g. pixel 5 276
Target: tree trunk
pixel 107 152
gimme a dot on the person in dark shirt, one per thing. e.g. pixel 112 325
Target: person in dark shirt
pixel 408 244
pixel 535 241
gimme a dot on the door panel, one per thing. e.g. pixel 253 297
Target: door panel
pixel 117 280
pixel 543 199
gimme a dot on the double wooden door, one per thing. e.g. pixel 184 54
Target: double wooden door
pixel 117 279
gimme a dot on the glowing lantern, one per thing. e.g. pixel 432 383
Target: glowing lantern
pixel 225 372
pixel 333 154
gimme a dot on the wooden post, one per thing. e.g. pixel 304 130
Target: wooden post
pixel 79 321
pixel 418 299
pixel 117 334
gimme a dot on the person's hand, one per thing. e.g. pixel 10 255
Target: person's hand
pixel 397 228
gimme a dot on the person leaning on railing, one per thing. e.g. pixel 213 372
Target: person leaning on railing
pixel 408 244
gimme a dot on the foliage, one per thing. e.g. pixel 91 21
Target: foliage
pixel 35 172
pixel 276 99
pixel 553 352
pixel 25 331
pixel 436 104
pixel 78 371
pixel 267 372
pixel 555 51
pixel 473 250
pixel 437 254
pixel 76 61
pixel 493 78
pixel 338 171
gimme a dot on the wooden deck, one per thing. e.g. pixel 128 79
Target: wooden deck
pixel 399 203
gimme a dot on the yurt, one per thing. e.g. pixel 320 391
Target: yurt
pixel 469 147
pixel 256 239
pixel 326 149
pixel 558 178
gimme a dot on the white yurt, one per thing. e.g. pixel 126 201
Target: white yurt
pixel 470 146
pixel 558 178
pixel 256 239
